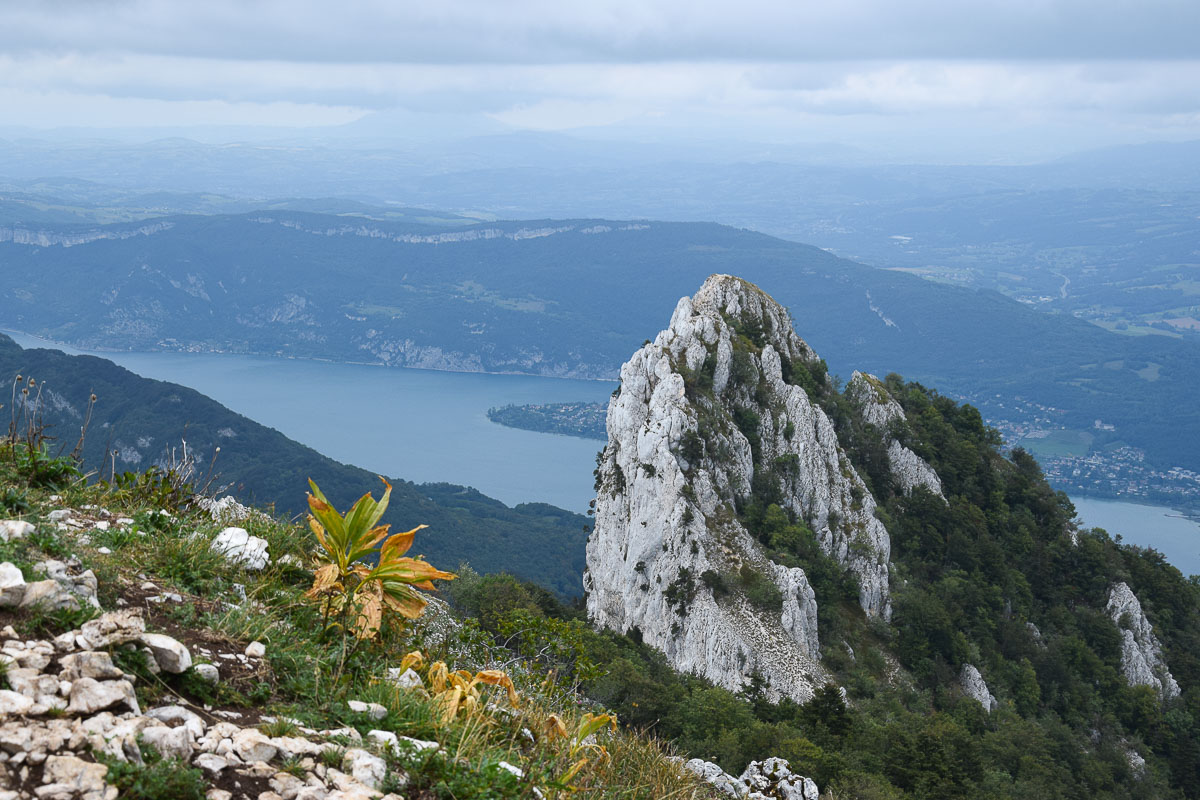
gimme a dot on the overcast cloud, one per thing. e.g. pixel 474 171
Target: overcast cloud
pixel 856 70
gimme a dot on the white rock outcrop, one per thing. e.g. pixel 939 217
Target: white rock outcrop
pixel 761 780
pixel 169 653
pixel 12 585
pixel 879 408
pixel 1142 663
pixel 974 687
pixel 11 529
pixel 716 405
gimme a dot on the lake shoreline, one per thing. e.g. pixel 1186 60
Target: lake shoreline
pixel 53 344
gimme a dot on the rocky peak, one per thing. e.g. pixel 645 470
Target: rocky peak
pixel 716 418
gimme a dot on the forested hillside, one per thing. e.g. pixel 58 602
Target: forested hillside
pixel 137 422
pixel 996 576
pixel 551 297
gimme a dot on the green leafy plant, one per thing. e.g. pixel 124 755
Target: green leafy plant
pixel 155 487
pixel 354 595
pixel 14 501
pixel 582 749
pixel 42 470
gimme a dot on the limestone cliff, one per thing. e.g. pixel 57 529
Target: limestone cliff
pixel 717 408
pixel 880 409
pixel 1142 663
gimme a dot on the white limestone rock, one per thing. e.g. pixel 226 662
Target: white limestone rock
pixel 366 768
pixel 210 763
pixel 409 679
pixel 239 547
pixel 227 510
pixel 88 664
pixel 14 703
pixel 49 595
pixel 418 745
pixel 251 745
pixel 711 773
pixel 774 778
pixel 209 673
pixel 663 520
pixel 79 776
pixel 976 688
pixel 12 585
pixel 170 654
pixel 877 407
pixel 12 529
pixel 178 716
pixel 1142 663
pixel 89 696
pixel 83 585
pixel 383 739
pixel 113 628
pixel 170 742
pixel 374 710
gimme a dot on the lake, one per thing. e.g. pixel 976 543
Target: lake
pixel 420 425
pixel 424 425
pixel 1162 528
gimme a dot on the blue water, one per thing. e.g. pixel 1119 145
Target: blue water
pixel 1162 528
pixel 425 425
pixel 421 425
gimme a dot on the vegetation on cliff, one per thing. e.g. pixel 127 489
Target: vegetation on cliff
pixel 996 576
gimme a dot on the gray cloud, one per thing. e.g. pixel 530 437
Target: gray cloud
pixel 859 70
pixel 539 31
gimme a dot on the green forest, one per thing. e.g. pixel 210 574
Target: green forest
pixel 992 577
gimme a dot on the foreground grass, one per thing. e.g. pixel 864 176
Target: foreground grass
pixel 492 746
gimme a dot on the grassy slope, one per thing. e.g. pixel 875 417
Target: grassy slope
pixel 300 680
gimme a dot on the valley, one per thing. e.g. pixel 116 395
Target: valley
pixel 544 298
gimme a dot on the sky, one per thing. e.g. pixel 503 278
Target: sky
pixel 993 78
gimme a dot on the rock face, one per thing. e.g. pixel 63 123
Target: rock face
pixel 974 687
pixel 717 406
pixel 880 409
pixel 1141 652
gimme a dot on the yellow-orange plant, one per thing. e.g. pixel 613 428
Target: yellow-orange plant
pixel 458 691
pixel 354 594
pixel 582 746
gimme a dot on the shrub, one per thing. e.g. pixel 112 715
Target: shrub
pixel 715 582
pixel 42 470
pixel 14 501
pixel 691 447
pixel 679 592
pixel 760 590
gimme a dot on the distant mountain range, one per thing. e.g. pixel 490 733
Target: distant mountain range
pixel 143 419
pixel 573 298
